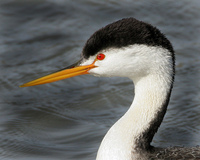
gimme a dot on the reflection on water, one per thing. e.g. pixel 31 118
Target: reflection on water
pixel 67 119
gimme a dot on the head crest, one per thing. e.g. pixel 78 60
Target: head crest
pixel 122 33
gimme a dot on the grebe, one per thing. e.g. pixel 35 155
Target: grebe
pixel 139 51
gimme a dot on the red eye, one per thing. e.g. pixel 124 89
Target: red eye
pixel 100 56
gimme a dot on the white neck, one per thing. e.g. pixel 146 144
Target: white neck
pixel 134 131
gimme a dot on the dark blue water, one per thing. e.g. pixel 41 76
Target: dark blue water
pixel 68 119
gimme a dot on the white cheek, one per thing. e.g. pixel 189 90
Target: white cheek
pixel 106 68
pixel 100 70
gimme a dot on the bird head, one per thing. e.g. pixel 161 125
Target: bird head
pixel 123 48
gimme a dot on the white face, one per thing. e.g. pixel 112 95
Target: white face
pixel 135 61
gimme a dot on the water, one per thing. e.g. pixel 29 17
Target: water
pixel 68 119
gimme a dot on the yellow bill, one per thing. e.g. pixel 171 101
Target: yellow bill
pixel 63 74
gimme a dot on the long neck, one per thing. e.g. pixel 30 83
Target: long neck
pixel 133 133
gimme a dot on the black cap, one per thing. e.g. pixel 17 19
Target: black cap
pixel 123 33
